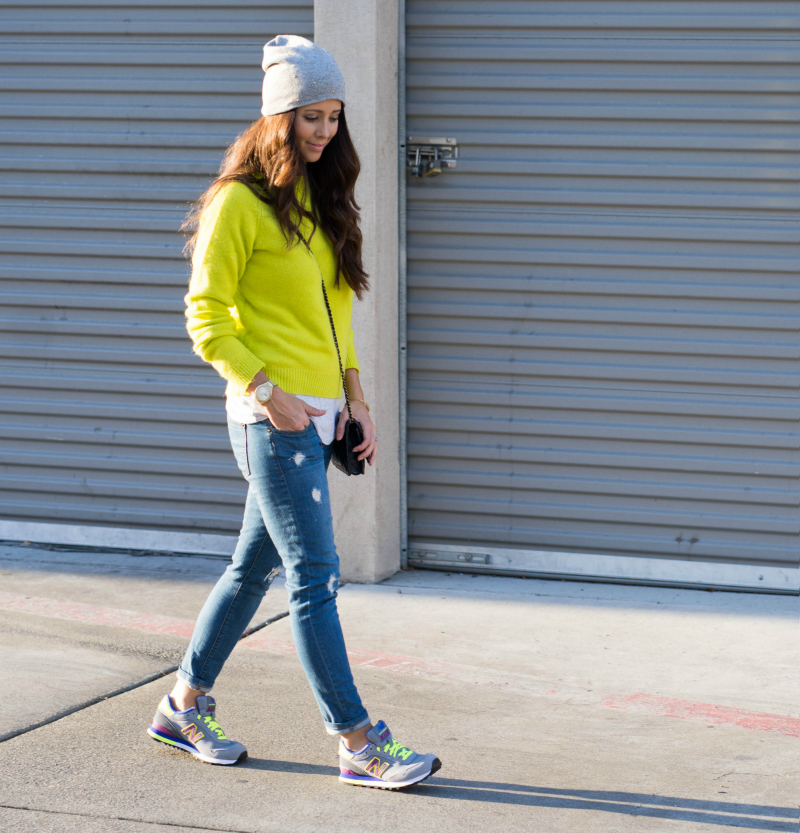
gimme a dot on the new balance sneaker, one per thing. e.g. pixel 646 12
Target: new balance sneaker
pixel 384 762
pixel 196 732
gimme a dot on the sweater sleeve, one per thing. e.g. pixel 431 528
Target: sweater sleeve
pixel 351 359
pixel 225 243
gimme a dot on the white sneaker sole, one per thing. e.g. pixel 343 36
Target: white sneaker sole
pixel 370 781
pixel 176 744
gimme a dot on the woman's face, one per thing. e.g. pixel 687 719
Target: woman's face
pixel 314 126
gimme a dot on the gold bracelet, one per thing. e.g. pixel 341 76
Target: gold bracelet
pixel 362 401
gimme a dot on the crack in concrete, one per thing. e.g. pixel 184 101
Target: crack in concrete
pixel 183 825
pixel 138 684
pixel 86 704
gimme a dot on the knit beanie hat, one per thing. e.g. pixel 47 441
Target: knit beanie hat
pixel 298 72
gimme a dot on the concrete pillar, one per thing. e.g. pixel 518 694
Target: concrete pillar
pixel 363 37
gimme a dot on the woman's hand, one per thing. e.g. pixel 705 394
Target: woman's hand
pixel 287 412
pixel 369 448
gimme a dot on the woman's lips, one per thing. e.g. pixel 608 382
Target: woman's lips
pixel 315 147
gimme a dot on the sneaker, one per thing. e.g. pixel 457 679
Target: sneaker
pixel 384 762
pixel 196 732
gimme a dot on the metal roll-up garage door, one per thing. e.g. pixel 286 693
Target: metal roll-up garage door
pixel 114 116
pixel 603 298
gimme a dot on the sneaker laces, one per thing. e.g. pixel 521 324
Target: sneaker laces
pixel 396 750
pixel 214 726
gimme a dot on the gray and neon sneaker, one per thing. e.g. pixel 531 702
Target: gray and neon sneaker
pixel 384 762
pixel 195 731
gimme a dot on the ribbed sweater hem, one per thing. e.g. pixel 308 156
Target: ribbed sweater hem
pixel 242 373
pixel 300 380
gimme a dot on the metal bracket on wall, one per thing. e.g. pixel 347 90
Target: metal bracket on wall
pixel 450 559
pixel 429 156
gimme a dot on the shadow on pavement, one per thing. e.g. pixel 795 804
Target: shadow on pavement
pixel 730 814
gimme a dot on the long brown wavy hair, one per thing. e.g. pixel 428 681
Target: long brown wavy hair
pixel 265 158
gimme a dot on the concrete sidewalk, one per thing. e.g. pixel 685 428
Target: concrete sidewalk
pixel 554 706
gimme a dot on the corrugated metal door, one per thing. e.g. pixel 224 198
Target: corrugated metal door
pixel 603 300
pixel 114 116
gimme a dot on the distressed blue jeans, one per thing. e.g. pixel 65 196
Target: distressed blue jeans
pixel 287 521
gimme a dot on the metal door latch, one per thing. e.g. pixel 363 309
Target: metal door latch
pixel 428 157
pixel 449 558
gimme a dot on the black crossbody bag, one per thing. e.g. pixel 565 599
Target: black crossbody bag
pixel 342 454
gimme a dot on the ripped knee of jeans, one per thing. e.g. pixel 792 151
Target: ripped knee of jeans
pixel 333 583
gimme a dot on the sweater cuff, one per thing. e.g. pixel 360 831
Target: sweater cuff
pixel 239 365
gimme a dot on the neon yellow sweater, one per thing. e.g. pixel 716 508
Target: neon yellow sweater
pixel 253 305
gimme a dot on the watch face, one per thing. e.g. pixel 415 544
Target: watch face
pixel 263 394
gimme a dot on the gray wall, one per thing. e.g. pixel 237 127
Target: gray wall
pixel 114 116
pixel 603 300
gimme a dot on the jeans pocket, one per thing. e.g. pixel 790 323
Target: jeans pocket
pixel 285 433
pixel 237 432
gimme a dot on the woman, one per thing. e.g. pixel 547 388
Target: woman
pixel 279 221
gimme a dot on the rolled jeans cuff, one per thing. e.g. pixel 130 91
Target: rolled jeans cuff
pixel 193 682
pixel 344 728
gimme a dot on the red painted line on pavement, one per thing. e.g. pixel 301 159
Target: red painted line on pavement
pixel 380 661
pixel 691 710
pixel 450 672
pixel 271 646
pixel 96 615
pixel 416 666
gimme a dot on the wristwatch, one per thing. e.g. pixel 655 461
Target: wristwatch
pixel 264 393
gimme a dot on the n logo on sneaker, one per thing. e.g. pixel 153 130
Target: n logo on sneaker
pixel 193 733
pixel 377 767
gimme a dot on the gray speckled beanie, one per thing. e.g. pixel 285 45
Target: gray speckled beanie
pixel 298 72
